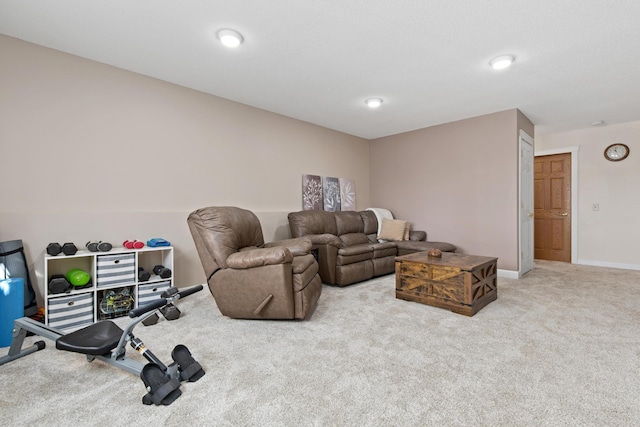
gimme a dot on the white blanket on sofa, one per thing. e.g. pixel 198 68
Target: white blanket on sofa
pixel 380 214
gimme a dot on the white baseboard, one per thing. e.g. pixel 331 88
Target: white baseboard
pixel 608 264
pixel 512 274
pixel 509 274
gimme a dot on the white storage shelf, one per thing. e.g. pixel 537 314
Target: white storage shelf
pixel 114 275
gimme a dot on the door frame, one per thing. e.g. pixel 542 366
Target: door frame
pixel 573 150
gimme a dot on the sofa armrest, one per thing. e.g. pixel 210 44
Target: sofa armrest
pixel 418 235
pixel 259 257
pixel 297 246
pixel 325 239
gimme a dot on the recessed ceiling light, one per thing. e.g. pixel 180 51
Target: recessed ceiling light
pixel 230 38
pixel 502 62
pixel 374 102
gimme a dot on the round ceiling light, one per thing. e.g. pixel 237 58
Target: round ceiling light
pixel 230 38
pixel 502 62
pixel 374 102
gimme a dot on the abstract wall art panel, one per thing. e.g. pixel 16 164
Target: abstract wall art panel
pixel 331 194
pixel 311 193
pixel 347 194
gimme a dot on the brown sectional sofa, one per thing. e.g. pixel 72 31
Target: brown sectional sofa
pixel 348 250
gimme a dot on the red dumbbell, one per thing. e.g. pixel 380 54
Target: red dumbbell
pixel 133 244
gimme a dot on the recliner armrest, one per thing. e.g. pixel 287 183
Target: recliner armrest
pixel 259 257
pixel 297 246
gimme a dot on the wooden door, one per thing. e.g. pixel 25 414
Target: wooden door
pixel 552 207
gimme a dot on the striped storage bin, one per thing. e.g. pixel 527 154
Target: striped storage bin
pixel 150 292
pixel 70 312
pixel 116 269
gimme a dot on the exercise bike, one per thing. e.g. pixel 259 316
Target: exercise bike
pixel 107 342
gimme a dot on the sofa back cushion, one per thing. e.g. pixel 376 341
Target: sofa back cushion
pixel 370 222
pixel 348 222
pixel 303 223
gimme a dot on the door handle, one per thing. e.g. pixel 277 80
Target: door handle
pixel 564 214
pixel 530 214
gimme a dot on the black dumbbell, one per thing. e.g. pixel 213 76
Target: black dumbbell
pixel 58 284
pixel 54 249
pixel 143 275
pixel 151 320
pixel 161 271
pixel 99 246
pixel 170 312
pixel 69 249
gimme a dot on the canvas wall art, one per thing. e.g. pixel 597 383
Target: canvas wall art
pixel 347 194
pixel 312 193
pixel 331 194
pixel 328 193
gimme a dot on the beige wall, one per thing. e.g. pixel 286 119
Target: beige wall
pixel 458 181
pixel 94 152
pixel 609 236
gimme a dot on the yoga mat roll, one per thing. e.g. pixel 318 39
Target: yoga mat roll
pixel 11 307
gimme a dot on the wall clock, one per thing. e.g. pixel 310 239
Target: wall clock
pixel 616 152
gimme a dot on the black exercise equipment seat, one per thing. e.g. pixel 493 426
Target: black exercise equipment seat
pixel 96 340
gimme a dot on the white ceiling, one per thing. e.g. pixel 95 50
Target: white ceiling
pixel 578 61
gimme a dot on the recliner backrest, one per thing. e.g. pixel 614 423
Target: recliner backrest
pixel 221 231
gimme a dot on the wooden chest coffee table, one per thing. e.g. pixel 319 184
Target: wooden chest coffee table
pixel 461 283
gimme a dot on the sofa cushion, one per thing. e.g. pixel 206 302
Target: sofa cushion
pixel 356 250
pixel 392 229
pixel 384 249
pixel 354 254
pixel 353 239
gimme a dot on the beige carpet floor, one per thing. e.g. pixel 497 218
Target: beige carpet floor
pixel 559 347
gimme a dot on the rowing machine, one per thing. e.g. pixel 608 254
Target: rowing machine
pixel 107 342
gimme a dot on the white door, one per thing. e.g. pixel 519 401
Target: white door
pixel 526 203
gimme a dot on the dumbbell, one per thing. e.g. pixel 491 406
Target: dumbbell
pixel 99 246
pixel 54 249
pixel 58 284
pixel 151 320
pixel 133 244
pixel 162 271
pixel 169 311
pixel 143 275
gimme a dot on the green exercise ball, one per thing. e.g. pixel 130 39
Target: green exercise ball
pixel 78 277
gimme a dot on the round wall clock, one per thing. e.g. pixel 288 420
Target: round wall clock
pixel 616 152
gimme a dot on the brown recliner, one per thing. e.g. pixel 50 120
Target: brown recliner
pixel 248 278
